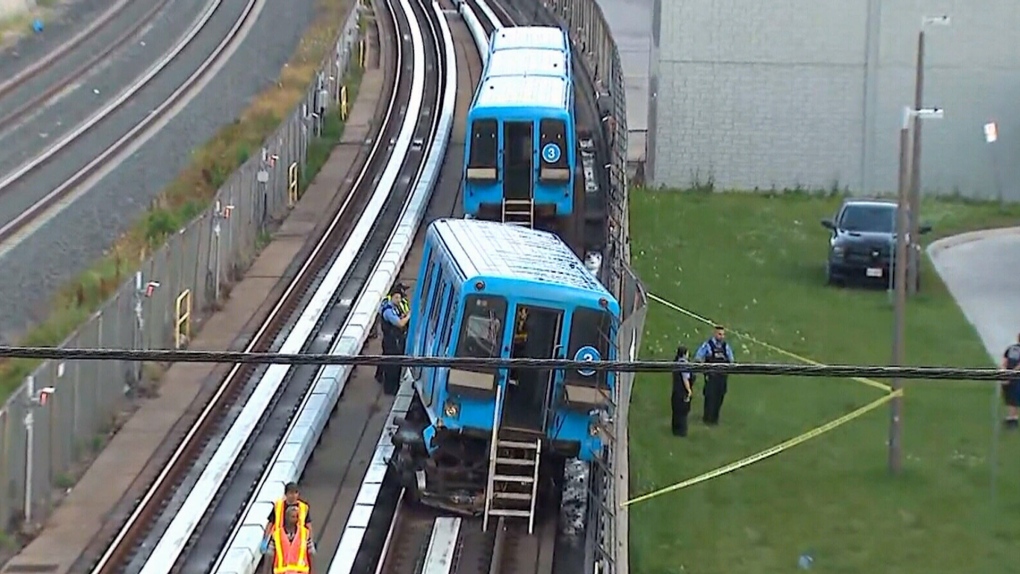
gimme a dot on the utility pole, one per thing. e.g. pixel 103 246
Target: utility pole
pixel 899 285
pixel 915 156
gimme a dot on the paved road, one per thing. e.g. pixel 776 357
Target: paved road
pixel 981 272
pixel 62 248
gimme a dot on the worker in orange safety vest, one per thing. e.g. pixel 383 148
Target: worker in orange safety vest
pixel 292 546
pixel 291 497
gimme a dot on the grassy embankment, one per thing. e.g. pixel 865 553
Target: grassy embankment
pixel 756 264
pixel 194 188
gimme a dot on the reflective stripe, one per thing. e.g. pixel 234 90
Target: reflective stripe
pixel 291 555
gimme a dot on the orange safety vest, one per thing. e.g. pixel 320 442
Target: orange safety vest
pixel 290 555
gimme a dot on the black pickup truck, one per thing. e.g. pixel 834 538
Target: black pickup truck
pixel 863 242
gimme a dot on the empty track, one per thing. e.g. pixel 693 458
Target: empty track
pixel 77 111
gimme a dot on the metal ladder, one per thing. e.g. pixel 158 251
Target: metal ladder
pixel 519 212
pixel 512 488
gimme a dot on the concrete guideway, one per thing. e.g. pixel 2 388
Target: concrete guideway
pixel 979 270
pixel 133 455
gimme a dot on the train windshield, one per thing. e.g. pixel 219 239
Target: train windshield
pixel 589 328
pixel 555 152
pixel 483 153
pixel 481 331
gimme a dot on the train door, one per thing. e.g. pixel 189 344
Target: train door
pixel 536 336
pixel 518 157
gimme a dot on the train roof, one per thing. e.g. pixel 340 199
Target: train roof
pixel 527 61
pixel 551 92
pixel 547 37
pixel 496 250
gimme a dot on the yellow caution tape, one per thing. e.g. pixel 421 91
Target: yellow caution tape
pixel 768 452
pixel 696 317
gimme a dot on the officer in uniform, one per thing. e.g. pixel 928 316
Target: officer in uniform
pixel 1011 388
pixel 394 317
pixel 683 390
pixel 714 350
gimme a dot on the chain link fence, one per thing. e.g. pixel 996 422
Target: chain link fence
pixel 59 417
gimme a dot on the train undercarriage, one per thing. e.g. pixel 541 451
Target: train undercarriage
pixel 454 477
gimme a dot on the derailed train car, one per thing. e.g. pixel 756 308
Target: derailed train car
pixel 488 290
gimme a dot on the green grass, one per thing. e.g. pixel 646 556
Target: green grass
pixel 755 263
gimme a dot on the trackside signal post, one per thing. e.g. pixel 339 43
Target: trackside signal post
pixel 143 291
pixel 222 213
pixel 33 399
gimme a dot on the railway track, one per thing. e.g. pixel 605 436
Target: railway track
pixel 303 318
pixel 53 148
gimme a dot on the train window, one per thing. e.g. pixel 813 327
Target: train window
pixel 589 328
pixel 554 133
pixel 431 333
pixel 483 154
pixel 430 272
pixel 451 312
pixel 481 331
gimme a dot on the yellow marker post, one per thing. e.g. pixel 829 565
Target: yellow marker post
pixel 361 54
pixel 292 185
pixel 343 103
pixel 182 322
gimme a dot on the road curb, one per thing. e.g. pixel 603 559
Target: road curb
pixel 956 240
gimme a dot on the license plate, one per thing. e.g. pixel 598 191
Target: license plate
pixel 874 272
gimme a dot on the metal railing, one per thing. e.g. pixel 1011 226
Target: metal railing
pixel 158 306
pixel 608 477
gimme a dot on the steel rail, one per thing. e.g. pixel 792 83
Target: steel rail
pixel 263 338
pixel 106 156
pixel 52 58
pixel 387 203
pixel 315 404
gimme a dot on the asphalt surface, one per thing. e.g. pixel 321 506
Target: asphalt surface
pixel 89 94
pixel 979 270
pixel 64 246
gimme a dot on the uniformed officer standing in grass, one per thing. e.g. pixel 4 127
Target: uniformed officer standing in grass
pixel 714 350
pixel 683 390
pixel 1011 388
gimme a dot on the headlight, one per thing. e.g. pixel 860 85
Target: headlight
pixel 451 409
pixel 838 251
pixel 594 428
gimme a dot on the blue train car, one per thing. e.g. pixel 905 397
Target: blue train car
pixel 541 37
pixel 528 62
pixel 488 290
pixel 520 151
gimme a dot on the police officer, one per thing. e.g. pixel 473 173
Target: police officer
pixel 1011 388
pixel 683 390
pixel 394 315
pixel 714 350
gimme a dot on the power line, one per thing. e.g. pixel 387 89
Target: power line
pixel 231 357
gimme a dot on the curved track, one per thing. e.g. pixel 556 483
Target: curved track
pixel 409 546
pixel 124 550
pixel 60 128
pixel 333 476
